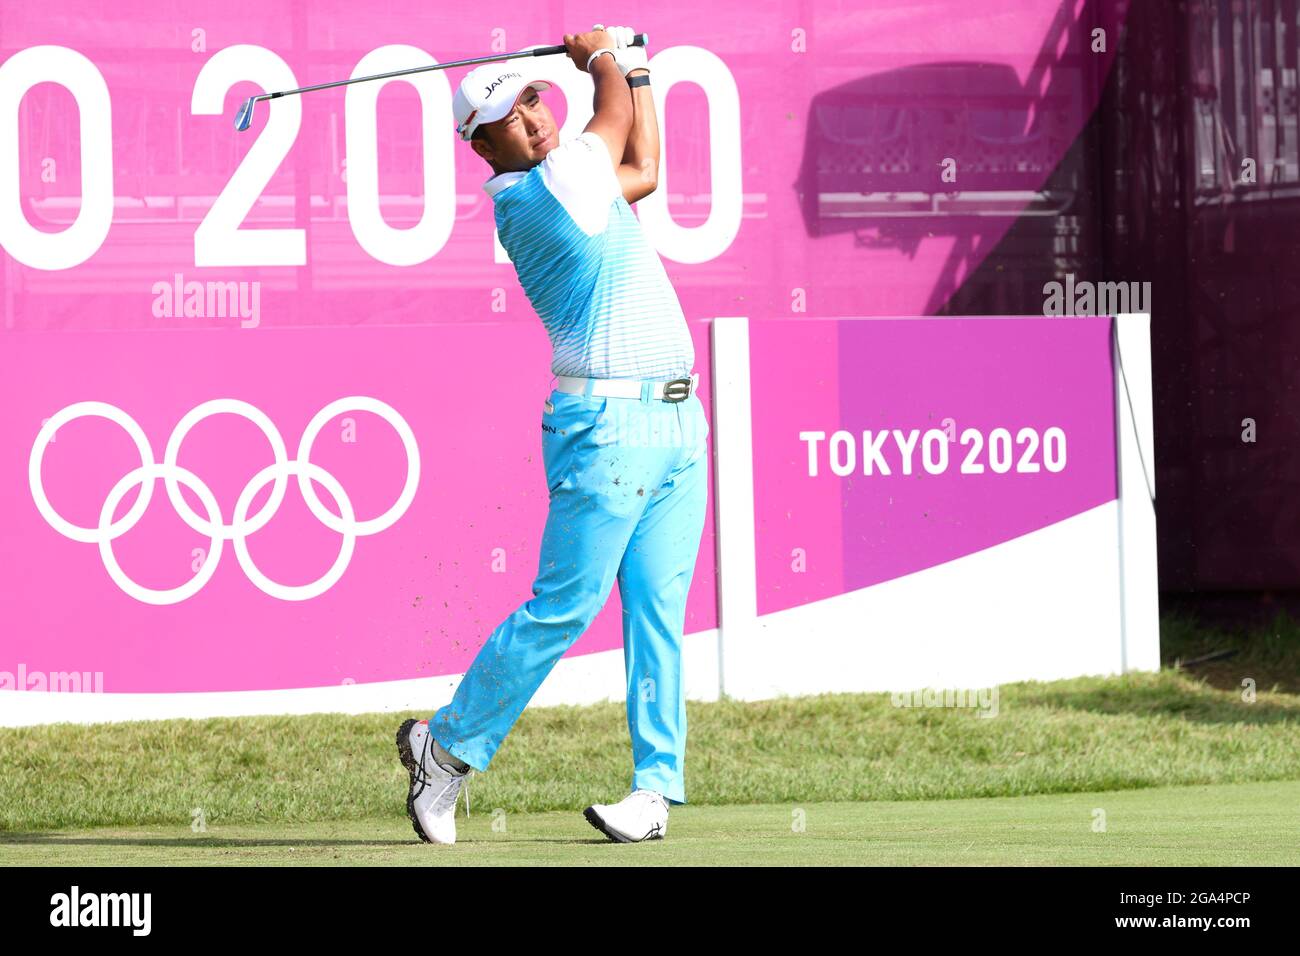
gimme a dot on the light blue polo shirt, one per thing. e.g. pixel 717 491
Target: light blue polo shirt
pixel 585 265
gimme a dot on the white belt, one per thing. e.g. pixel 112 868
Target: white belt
pixel 677 390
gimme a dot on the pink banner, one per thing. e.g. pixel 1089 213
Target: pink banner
pixel 820 158
pixel 394 592
pixel 155 261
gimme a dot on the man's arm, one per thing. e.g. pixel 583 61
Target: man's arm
pixel 612 105
pixel 638 173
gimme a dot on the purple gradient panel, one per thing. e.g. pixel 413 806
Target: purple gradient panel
pixel 982 373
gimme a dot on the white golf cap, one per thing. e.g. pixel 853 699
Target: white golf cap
pixel 489 92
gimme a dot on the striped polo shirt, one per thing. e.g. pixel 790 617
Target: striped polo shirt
pixel 586 267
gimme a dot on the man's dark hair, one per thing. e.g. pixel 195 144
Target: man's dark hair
pixel 480 134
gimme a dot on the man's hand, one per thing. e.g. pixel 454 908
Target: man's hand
pixel 627 56
pixel 582 45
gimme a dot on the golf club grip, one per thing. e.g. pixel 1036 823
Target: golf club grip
pixel 641 39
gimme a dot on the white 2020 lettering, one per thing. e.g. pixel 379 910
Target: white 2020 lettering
pixel 219 240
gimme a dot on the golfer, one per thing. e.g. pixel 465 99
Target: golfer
pixel 623 433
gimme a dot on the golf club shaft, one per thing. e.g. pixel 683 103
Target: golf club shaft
pixel 639 40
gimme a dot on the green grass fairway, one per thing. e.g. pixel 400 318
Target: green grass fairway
pixel 1225 825
pixel 1085 735
pixel 1190 766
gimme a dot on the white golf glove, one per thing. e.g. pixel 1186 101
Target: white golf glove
pixel 627 56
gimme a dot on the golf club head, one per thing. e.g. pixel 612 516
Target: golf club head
pixel 244 118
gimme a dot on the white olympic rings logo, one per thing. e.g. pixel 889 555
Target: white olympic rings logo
pixel 174 476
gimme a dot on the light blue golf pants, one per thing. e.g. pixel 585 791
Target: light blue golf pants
pixel 628 482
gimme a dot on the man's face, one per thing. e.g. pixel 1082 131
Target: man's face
pixel 521 139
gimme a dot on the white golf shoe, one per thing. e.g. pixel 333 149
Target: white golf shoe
pixel 641 815
pixel 431 800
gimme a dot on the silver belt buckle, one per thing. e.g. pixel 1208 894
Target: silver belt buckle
pixel 678 390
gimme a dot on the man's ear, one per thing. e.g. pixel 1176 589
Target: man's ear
pixel 483 148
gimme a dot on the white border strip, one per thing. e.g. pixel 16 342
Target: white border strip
pixel 733 451
pixel 1136 476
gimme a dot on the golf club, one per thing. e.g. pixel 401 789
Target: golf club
pixel 244 117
